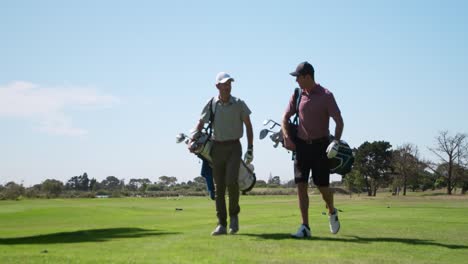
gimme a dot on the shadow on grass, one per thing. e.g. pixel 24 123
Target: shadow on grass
pixel 92 235
pixel 357 239
pixel 435 194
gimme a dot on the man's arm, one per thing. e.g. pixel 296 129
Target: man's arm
pixel 248 127
pixel 200 125
pixel 339 126
pixel 205 117
pixel 285 125
pixel 248 157
pixel 288 142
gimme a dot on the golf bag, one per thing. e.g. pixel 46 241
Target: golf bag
pixel 202 148
pixel 207 173
pixel 343 161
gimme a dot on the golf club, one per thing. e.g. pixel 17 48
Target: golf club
pixel 180 137
pixel 266 122
pixel 264 133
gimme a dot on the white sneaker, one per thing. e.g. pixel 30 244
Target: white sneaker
pixel 334 222
pixel 302 232
pixel 219 230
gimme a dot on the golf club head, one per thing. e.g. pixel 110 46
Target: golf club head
pixel 180 137
pixel 277 137
pixel 263 133
pixel 266 121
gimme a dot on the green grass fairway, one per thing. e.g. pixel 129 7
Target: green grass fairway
pixel 414 229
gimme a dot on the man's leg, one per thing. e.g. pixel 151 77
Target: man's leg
pixel 321 174
pixel 327 195
pixel 221 201
pixel 301 178
pixel 232 178
pixel 232 182
pixel 303 197
pixel 303 202
pixel 321 177
pixel 219 170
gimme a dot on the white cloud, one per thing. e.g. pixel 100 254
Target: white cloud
pixel 46 106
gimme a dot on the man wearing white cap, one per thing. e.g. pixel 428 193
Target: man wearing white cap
pixel 229 116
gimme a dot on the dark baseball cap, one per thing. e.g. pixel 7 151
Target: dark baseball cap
pixel 303 68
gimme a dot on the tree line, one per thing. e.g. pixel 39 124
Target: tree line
pixel 376 166
pixel 83 186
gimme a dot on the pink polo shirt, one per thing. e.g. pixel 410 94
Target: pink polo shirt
pixel 315 110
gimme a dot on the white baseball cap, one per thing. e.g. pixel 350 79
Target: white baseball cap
pixel 223 77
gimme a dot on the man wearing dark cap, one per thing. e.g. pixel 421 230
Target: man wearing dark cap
pixel 230 114
pixel 316 106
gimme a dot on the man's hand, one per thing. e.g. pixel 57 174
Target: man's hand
pixel 248 156
pixel 190 147
pixel 332 149
pixel 196 134
pixel 289 144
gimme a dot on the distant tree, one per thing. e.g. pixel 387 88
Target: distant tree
pixel 260 184
pixel 167 180
pixel 154 187
pixel 111 183
pixel 121 185
pixel 274 181
pixel 144 183
pixel 354 181
pixel 138 184
pixel 373 161
pixel 133 184
pixel 407 166
pixel 52 188
pixel 452 151
pixel 84 182
pixel 72 183
pixel 463 183
pixel 34 191
pixel 289 184
pixel 12 191
pixel 93 185
pixel 199 180
pixel 459 176
pixel 427 180
pixel 78 183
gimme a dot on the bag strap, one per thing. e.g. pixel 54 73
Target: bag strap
pixel 297 100
pixel 209 128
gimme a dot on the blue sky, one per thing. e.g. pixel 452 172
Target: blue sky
pixel 103 87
